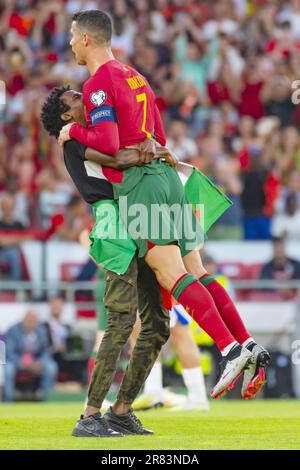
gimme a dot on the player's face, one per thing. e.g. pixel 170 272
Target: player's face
pixel 77 44
pixel 73 99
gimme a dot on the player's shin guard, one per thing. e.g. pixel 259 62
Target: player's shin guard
pixel 199 304
pixel 226 308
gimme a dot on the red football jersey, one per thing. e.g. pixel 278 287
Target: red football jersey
pixel 120 93
pixel 120 110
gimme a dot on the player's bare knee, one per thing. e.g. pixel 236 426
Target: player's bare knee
pixel 162 279
pixel 167 278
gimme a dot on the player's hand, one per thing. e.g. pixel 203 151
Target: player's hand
pixel 146 149
pixel 171 159
pixel 64 134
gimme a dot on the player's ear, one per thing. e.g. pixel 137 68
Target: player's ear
pixel 86 40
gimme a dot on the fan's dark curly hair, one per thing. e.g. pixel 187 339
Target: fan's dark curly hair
pixel 52 110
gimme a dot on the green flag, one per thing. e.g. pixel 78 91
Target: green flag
pixel 199 189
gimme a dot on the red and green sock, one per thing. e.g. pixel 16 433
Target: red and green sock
pixel 226 308
pixel 200 305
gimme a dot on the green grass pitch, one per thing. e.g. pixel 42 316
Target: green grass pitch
pixel 229 425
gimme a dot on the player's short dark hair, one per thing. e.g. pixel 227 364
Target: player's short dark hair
pixel 52 110
pixel 95 22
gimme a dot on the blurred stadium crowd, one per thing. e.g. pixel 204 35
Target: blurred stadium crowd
pixel 222 71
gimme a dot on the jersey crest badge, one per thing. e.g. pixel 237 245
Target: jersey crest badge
pixel 98 97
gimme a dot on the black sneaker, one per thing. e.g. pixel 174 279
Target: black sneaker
pixel 93 426
pixel 126 424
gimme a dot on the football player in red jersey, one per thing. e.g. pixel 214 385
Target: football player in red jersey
pixel 121 111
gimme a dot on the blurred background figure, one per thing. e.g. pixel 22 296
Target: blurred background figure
pixel 9 250
pixel 287 223
pixel 28 351
pixel 281 266
pixel 57 330
pixel 256 222
pixel 67 346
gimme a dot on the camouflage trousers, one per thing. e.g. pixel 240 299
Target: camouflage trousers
pixel 137 289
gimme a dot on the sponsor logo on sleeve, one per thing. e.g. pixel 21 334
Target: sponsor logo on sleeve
pixel 104 113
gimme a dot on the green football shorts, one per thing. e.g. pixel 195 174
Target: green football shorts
pixel 111 248
pixel 156 212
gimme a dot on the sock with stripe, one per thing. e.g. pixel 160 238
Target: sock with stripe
pixel 199 304
pixel 194 381
pixel 226 308
pixel 154 383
